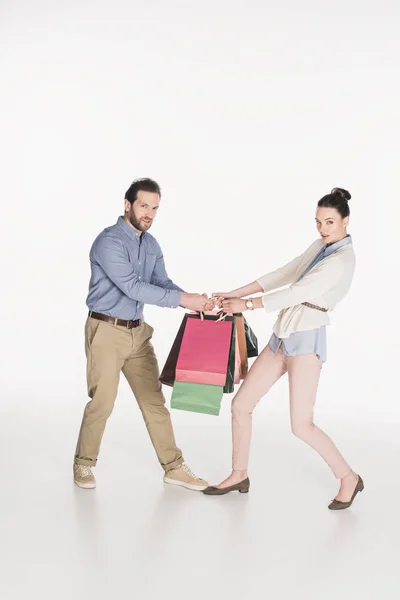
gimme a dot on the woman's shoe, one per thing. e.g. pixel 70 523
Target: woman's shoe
pixel 338 505
pixel 242 487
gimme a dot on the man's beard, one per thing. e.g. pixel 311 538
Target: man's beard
pixel 136 224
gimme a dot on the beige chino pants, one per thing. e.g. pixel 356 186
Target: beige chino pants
pixel 109 350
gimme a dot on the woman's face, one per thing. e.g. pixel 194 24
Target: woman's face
pixel 331 226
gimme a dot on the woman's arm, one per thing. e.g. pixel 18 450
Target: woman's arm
pixel 315 283
pixel 271 281
pixel 281 277
pixel 266 283
pixel 243 292
pixel 320 280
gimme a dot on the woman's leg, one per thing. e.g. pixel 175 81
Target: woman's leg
pixel 304 372
pixel 265 371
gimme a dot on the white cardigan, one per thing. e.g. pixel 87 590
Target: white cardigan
pixel 325 285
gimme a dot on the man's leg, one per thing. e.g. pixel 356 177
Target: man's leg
pixel 142 373
pixel 106 350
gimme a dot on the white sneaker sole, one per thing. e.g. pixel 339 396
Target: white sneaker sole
pixel 188 486
pixel 85 486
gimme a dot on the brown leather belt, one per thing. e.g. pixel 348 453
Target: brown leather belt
pixel 114 321
pixel 314 307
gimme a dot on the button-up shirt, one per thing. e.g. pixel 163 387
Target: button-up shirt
pixel 314 341
pixel 128 271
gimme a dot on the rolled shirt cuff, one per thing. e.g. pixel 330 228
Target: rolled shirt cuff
pixel 174 298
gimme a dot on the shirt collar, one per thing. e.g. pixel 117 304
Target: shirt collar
pixel 328 250
pixel 133 235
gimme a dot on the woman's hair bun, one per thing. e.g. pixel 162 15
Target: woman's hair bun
pixel 337 199
pixel 343 194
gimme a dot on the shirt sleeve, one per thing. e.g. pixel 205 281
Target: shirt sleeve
pixel 320 280
pixel 110 255
pixel 280 277
pixel 160 277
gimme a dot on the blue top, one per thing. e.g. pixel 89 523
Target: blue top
pixel 313 341
pixel 128 271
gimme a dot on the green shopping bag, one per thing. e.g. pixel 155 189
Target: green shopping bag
pixel 197 397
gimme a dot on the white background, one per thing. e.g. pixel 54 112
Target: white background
pixel 246 113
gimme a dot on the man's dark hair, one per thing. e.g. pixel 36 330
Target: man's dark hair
pixel 144 185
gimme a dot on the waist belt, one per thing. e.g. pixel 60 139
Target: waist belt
pixel 129 324
pixel 314 307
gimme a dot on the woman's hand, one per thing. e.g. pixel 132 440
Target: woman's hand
pixel 218 297
pixel 233 305
pixel 224 295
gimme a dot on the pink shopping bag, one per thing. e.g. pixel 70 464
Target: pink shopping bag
pixel 204 353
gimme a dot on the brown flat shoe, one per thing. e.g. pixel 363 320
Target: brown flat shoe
pixel 242 487
pixel 338 505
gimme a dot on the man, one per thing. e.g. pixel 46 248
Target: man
pixel 128 271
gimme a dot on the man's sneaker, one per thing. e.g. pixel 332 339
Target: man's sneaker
pixel 186 478
pixel 83 476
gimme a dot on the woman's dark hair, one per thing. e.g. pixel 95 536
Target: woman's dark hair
pixel 144 185
pixel 339 199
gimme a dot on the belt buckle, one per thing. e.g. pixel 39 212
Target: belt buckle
pixel 129 324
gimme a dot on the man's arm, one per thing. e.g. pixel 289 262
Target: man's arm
pixel 160 276
pixel 110 255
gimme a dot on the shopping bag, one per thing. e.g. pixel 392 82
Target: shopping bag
pixel 167 376
pixel 251 340
pixel 204 351
pixel 168 373
pixel 230 372
pixel 238 363
pixel 197 397
pixel 241 346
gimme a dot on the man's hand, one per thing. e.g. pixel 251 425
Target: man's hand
pixel 195 302
pixel 210 304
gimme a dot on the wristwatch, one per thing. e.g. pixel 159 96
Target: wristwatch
pixel 250 304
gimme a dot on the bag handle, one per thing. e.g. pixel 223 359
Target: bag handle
pixel 222 315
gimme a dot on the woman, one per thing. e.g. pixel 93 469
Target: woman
pixel 318 280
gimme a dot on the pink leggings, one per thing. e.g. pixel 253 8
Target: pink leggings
pixel 303 372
